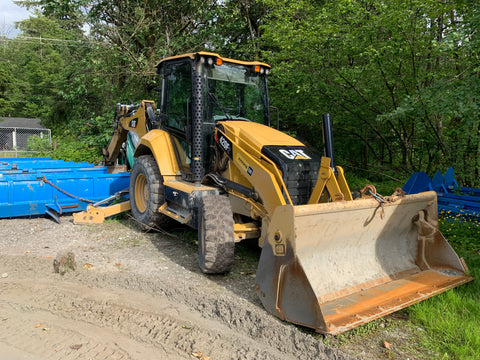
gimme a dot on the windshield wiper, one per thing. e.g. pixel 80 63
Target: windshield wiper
pixel 215 100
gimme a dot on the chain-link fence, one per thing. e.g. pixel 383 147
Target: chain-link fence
pixel 15 141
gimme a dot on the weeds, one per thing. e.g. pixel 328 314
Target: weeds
pixel 451 319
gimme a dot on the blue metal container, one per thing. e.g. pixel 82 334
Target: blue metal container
pixel 38 186
pixel 451 197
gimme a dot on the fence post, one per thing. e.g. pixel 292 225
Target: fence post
pixel 14 141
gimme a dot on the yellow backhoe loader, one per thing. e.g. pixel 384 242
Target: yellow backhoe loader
pixel 208 158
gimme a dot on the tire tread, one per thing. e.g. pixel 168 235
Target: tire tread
pixel 218 235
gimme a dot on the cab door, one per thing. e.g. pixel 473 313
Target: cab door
pixel 176 110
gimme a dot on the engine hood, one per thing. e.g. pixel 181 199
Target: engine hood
pixel 257 135
pixel 298 164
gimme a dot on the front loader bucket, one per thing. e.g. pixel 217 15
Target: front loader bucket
pixel 338 265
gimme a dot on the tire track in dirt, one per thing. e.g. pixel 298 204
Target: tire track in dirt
pixel 151 307
pixel 34 326
pixel 85 314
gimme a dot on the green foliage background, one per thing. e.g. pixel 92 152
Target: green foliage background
pixel 400 78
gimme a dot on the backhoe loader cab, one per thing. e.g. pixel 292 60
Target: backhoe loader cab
pixel 208 158
pixel 198 90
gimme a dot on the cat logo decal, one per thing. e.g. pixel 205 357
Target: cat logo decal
pixel 294 154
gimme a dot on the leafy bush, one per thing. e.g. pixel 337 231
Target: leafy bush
pixel 74 149
pixel 384 187
pixel 40 145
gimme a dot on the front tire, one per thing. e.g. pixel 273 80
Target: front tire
pixel 147 192
pixel 216 239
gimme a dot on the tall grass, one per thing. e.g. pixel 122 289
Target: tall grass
pixel 452 319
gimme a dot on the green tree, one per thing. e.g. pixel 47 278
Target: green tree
pixel 78 58
pixel 37 62
pixel 449 131
pixel 367 62
pixel 69 14
pixel 238 28
pixel 7 89
pixel 140 33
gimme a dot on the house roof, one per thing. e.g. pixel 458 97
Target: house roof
pixel 20 123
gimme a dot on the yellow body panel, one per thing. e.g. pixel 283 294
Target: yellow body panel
pixel 136 122
pixel 205 53
pixel 248 139
pixel 246 152
pixel 160 144
pixel 186 186
pixel 256 135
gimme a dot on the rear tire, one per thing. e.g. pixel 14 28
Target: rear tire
pixel 147 193
pixel 216 240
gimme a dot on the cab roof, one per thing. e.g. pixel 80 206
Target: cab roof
pixel 210 54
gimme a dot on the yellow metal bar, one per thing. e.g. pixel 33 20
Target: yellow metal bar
pixel 337 186
pixel 183 220
pixel 342 183
pixel 334 188
pixel 246 231
pixel 97 215
pixel 116 208
pixel 324 174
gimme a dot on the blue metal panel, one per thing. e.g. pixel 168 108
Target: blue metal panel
pixel 418 182
pixel 451 197
pixel 28 186
pixel 438 183
pixel 38 163
pixel 449 179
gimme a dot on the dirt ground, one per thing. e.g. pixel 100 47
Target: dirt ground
pixel 133 295
pixel 138 295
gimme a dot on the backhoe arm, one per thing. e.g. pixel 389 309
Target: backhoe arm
pixel 138 118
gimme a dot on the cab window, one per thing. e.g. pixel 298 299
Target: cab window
pixel 178 93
